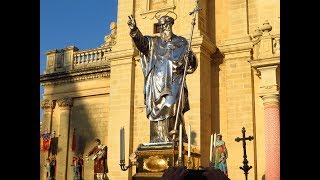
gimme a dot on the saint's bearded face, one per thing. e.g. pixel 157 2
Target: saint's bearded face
pixel 166 31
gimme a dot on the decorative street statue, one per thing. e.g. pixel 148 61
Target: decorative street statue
pixel 99 153
pixel 77 163
pixel 110 39
pixel 163 60
pixel 221 155
pixel 50 166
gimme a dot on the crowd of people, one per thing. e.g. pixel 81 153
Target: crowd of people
pixel 182 173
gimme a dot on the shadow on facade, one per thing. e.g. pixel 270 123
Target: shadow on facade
pixel 60 87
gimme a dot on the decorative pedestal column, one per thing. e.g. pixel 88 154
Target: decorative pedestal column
pixel 47 106
pixel 270 96
pixel 63 144
pixel 267 62
pixel 272 135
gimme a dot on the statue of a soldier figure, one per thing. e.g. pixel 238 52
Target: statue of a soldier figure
pixel 163 63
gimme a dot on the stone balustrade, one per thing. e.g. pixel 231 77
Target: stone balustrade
pixel 71 58
pixel 276 44
pixel 91 57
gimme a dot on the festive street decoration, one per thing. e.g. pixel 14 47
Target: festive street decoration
pixel 73 146
pixel 45 139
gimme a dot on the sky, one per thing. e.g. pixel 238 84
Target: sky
pixel 80 23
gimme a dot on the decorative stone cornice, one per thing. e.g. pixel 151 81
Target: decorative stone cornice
pixel 265 62
pixel 47 104
pixel 75 75
pixel 271 100
pixel 122 54
pixel 269 89
pixel 236 44
pixel 51 51
pixel 65 103
pixel 62 50
pixel 245 53
pixel 74 48
pixel 205 44
pixel 269 83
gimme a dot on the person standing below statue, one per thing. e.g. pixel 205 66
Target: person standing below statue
pixel 99 153
pixel 221 154
pixel 162 61
pixel 50 168
pixel 77 168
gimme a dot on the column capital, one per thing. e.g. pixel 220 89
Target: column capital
pixel 269 84
pixel 47 104
pixel 271 100
pixel 65 103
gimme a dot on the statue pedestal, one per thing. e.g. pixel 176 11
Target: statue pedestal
pixel 153 158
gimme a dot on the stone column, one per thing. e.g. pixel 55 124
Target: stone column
pixel 270 96
pixel 63 143
pixel 47 106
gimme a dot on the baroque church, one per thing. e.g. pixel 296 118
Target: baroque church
pixel 93 93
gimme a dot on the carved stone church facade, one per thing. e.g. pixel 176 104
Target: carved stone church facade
pixel 237 84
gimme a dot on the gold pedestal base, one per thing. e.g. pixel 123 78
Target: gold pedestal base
pixel 152 160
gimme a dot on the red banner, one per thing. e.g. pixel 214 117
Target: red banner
pixel 46 144
pixel 73 147
pixel 46 139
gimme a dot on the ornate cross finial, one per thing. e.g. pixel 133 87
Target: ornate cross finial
pixel 245 167
pixel 197 8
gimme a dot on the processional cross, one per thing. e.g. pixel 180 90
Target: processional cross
pixel 245 166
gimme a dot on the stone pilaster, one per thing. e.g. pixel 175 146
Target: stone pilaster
pixel 121 110
pixel 47 106
pixel 236 97
pixel 65 105
pixel 199 85
pixel 238 22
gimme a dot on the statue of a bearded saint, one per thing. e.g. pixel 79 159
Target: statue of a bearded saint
pixel 162 61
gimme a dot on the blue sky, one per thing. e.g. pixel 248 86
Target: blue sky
pixel 80 23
